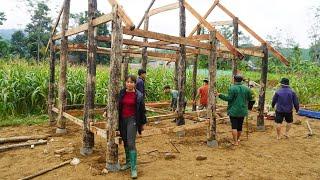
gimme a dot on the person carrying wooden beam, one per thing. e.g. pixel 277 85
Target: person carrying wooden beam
pixel 238 98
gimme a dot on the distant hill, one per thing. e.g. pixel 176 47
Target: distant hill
pixel 6 33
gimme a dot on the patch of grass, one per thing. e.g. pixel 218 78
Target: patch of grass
pixel 23 120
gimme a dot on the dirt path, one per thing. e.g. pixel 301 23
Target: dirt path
pixel 260 157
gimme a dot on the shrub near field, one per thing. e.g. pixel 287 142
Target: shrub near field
pixel 24 86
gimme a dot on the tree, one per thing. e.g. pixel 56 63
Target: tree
pixel 38 30
pixel 18 44
pixel 315 37
pixel 2 18
pixel 4 48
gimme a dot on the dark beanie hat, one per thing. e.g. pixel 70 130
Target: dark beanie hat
pixel 141 71
pixel 285 81
pixel 206 80
pixel 238 78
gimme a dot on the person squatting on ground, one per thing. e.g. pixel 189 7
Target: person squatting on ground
pixel 131 119
pixel 203 95
pixel 238 98
pixel 284 100
pixel 140 81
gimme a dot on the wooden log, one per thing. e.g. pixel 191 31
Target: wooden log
pixel 235 37
pixel 125 70
pixel 158 104
pixel 51 98
pixel 176 69
pixel 182 65
pixel 220 37
pixel 15 146
pixel 62 101
pixel 88 136
pixel 211 111
pixel 144 49
pixel 162 117
pixel 194 78
pixel 262 93
pixel 46 170
pixel 114 89
pixel 22 138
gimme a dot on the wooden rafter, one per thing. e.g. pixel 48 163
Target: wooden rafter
pixel 122 14
pixel 163 9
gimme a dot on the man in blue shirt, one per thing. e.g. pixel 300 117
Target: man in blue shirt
pixel 284 99
pixel 140 81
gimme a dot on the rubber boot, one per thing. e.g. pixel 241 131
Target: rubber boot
pixel 133 160
pixel 128 164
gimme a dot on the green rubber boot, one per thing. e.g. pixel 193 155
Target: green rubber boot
pixel 133 160
pixel 128 164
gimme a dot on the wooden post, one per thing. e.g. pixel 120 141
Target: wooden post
pixel 63 70
pixel 125 69
pixel 263 83
pixel 235 44
pixel 113 93
pixel 194 78
pixel 51 83
pixel 176 64
pixel 211 111
pixel 88 137
pixel 181 67
pixel 144 49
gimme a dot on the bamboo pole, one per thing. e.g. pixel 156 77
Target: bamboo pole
pixel 63 70
pixel 263 83
pixel 114 88
pixel 211 111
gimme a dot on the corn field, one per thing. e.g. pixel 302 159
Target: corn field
pixel 24 86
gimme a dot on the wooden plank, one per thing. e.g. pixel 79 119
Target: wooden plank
pixel 211 28
pixel 222 23
pixel 100 132
pixel 165 37
pixel 122 14
pixel 84 27
pixel 163 9
pixel 69 117
pixel 255 35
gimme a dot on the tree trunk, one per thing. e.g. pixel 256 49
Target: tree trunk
pixel 144 49
pixel 63 69
pixel 113 93
pixel 51 83
pixel 88 137
pixel 182 67
pixel 235 44
pixel 194 78
pixel 263 83
pixel 211 111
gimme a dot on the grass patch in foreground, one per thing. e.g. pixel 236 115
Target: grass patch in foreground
pixel 23 120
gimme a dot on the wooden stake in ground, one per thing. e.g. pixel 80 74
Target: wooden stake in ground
pixel 113 93
pixel 235 44
pixel 88 137
pixel 194 78
pixel 262 93
pixel 46 170
pixel 182 67
pixel 62 101
pixel 309 128
pixel 15 146
pixel 22 138
pixel 51 83
pixel 212 131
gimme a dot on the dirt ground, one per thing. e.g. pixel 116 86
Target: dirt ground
pixel 259 157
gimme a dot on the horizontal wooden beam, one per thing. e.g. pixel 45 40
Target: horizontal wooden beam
pixel 84 27
pixel 255 35
pixel 69 117
pixel 221 23
pixel 163 9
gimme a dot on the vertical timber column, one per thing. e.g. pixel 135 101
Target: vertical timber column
pixel 236 45
pixel 51 83
pixel 181 67
pixel 263 83
pixel 176 64
pixel 211 111
pixel 125 69
pixel 144 49
pixel 194 77
pixel 88 137
pixel 113 93
pixel 63 70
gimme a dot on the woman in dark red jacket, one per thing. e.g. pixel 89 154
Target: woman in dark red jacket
pixel 131 120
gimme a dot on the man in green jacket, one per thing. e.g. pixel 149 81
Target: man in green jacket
pixel 237 98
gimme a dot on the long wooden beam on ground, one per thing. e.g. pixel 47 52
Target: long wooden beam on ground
pixel 84 27
pixel 122 14
pixel 219 36
pixel 69 117
pixel 255 35
pixel 163 9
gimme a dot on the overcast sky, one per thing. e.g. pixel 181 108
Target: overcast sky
pixel 266 17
